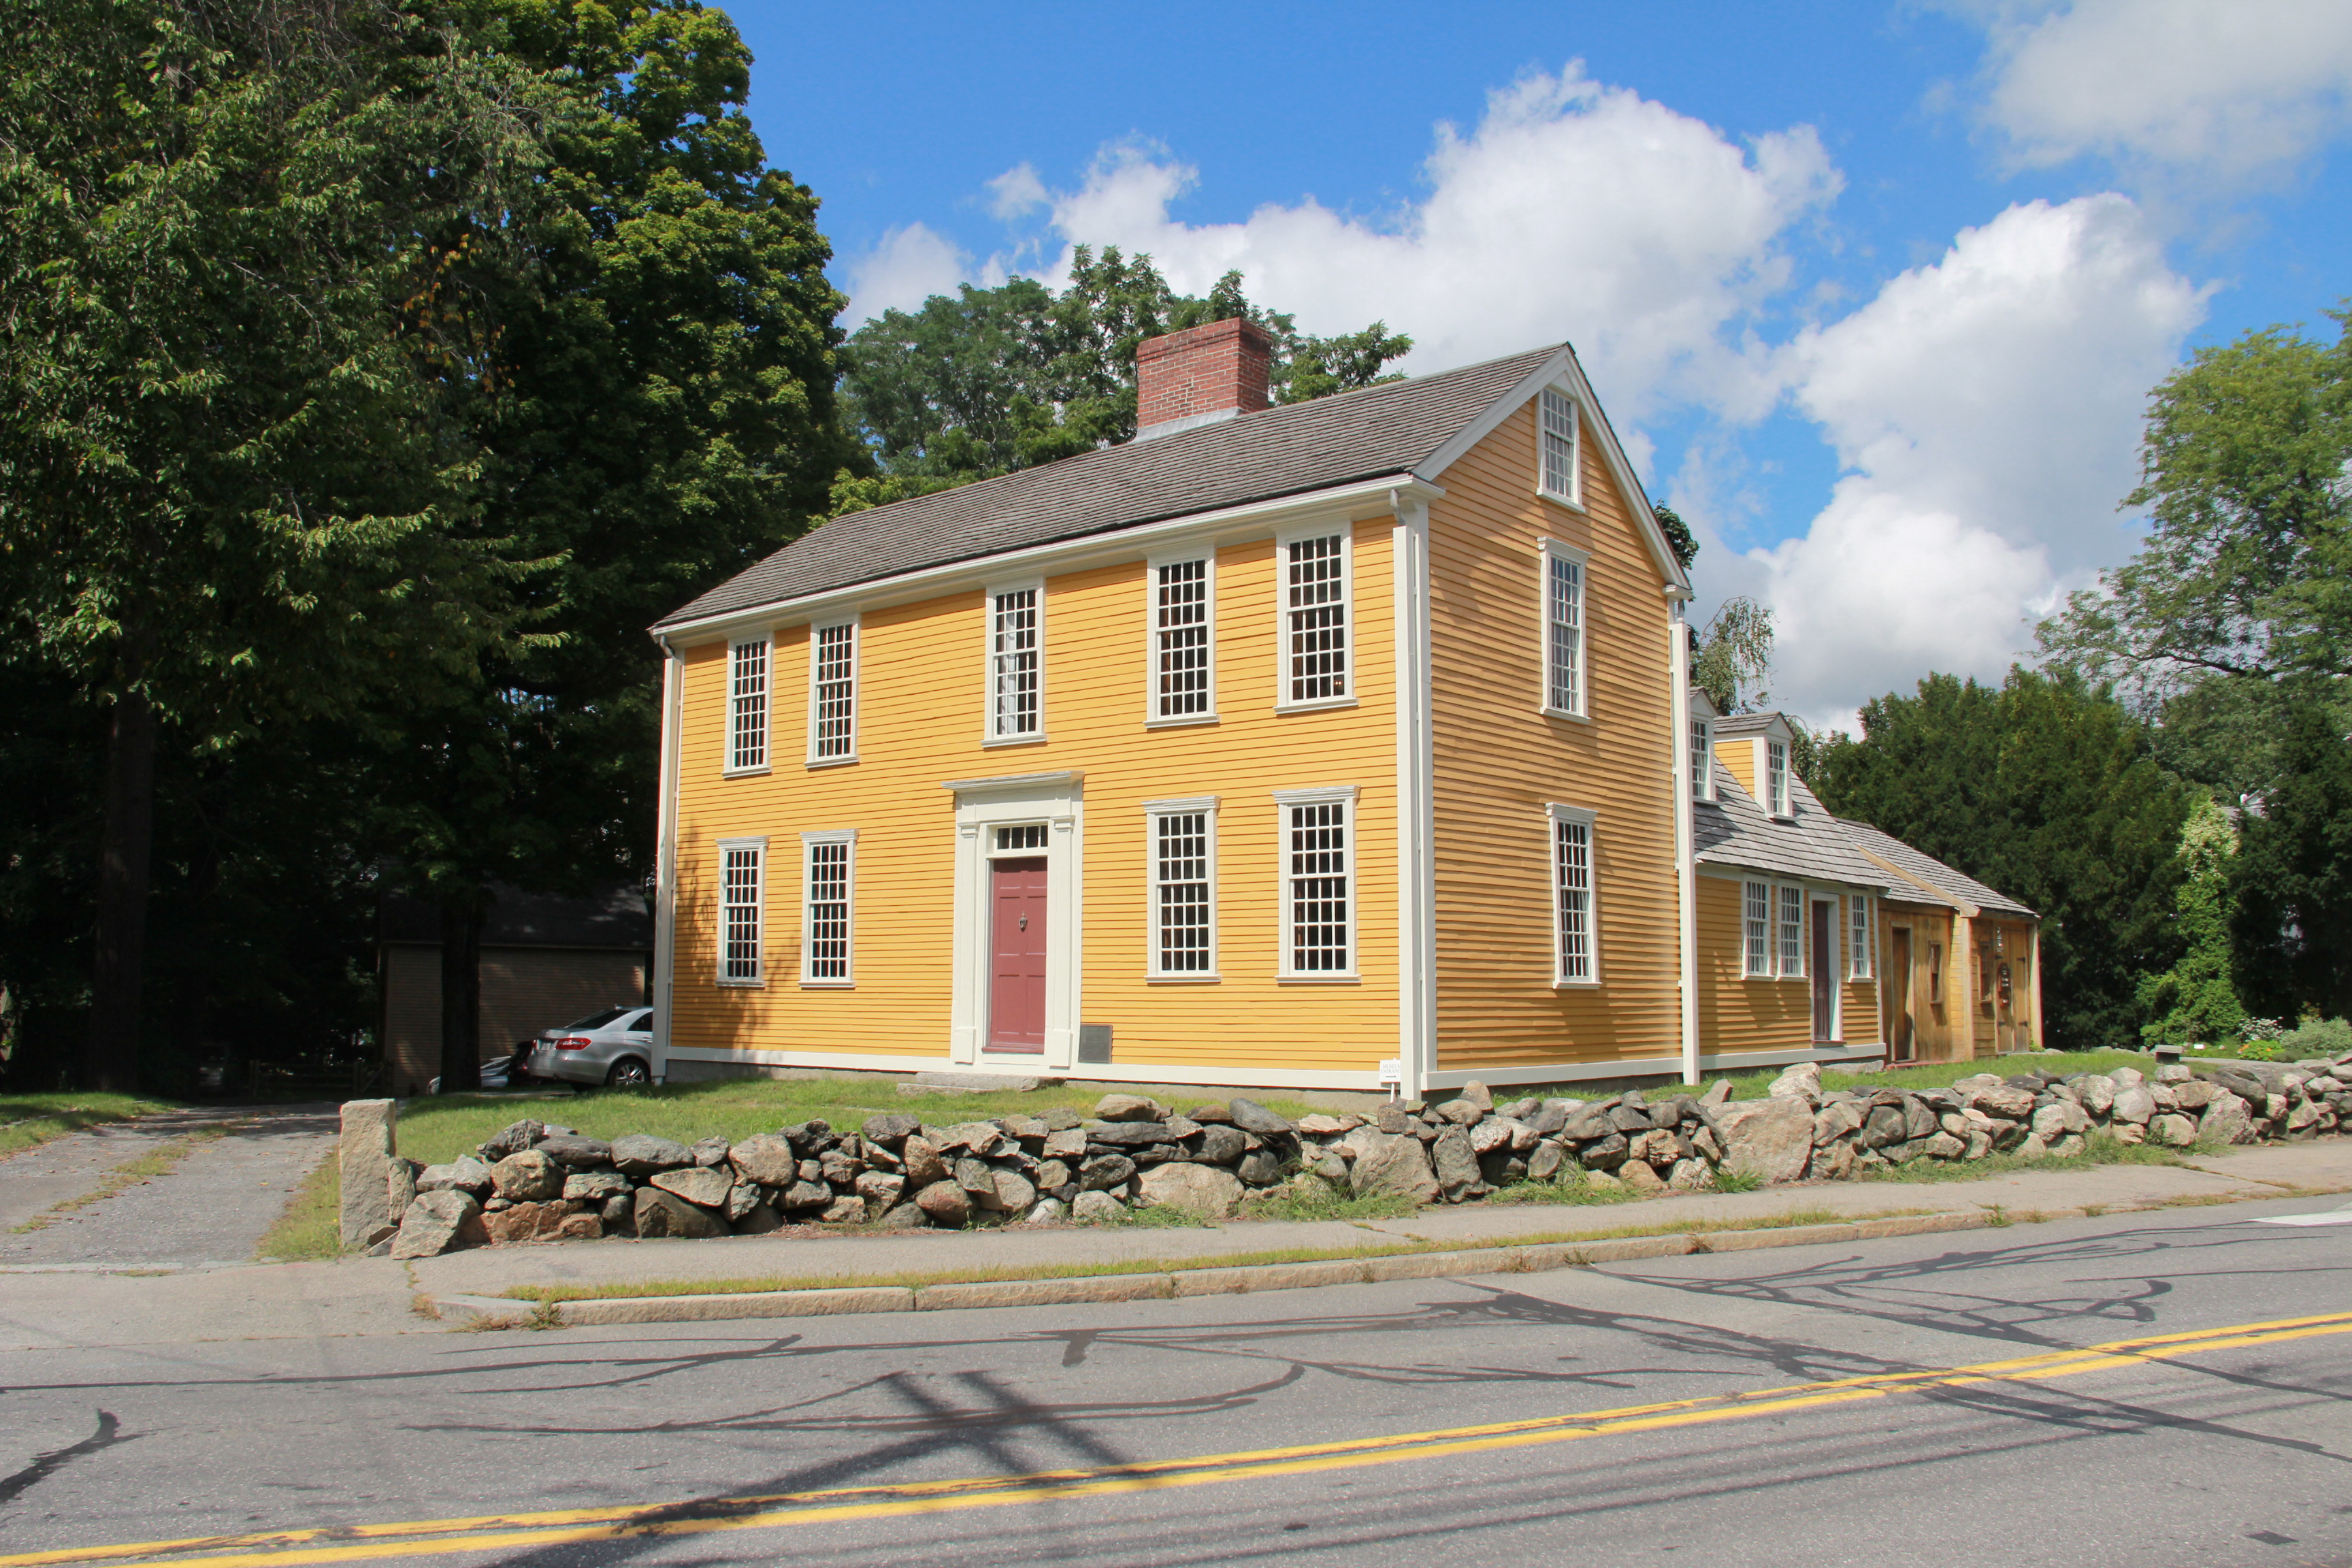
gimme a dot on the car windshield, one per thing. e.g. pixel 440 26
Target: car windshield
pixel 596 1020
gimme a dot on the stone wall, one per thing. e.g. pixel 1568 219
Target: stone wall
pixel 535 1182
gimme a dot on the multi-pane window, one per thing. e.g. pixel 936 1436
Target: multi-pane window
pixel 1022 835
pixel 1563 630
pixel 1793 934
pixel 1319 924
pixel 832 694
pixel 1861 942
pixel 1013 669
pixel 1775 777
pixel 1756 929
pixel 824 908
pixel 746 728
pixel 1702 760
pixel 1315 618
pixel 1181 630
pixel 740 889
pixel 1572 880
pixel 1559 445
pixel 1183 894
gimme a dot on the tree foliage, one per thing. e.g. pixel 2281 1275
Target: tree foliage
pixel 2247 571
pixel 987 381
pixel 2045 789
pixel 2292 885
pixel 2196 998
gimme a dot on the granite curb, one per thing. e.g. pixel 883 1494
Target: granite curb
pixel 499 1311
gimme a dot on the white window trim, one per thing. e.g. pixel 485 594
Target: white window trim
pixel 768 719
pixel 993 851
pixel 1554 815
pixel 1702 782
pixel 857 695
pixel 1767 943
pixel 1862 956
pixel 759 916
pixel 1153 810
pixel 1284 799
pixel 1153 718
pixel 1282 544
pixel 989 737
pixel 1783 809
pixel 1780 920
pixel 1582 560
pixel 1574 496
pixel 809 981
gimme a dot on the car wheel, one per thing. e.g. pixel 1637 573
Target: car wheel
pixel 628 1073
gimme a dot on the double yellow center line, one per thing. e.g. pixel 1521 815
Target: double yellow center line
pixel 500 1533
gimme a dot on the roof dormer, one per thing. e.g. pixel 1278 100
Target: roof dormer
pixel 1756 748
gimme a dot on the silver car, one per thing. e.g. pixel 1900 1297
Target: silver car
pixel 612 1046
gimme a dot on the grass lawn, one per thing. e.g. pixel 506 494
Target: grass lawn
pixel 435 1130
pixel 311 1226
pixel 29 1119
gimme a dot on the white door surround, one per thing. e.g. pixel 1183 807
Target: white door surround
pixel 982 806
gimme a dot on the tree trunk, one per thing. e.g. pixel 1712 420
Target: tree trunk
pixel 462 916
pixel 123 877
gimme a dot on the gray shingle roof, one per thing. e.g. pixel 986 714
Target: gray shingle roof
pixel 1948 886
pixel 1735 831
pixel 1257 456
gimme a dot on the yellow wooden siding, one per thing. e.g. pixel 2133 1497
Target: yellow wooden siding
pixel 1500 761
pixel 921 707
pixel 1736 1014
pixel 1738 758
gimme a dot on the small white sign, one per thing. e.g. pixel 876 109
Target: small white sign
pixel 1391 1071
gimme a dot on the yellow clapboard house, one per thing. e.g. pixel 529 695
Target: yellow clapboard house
pixel 1335 744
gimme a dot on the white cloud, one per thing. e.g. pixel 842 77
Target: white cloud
pixel 1573 211
pixel 1016 192
pixel 2219 91
pixel 1990 406
pixel 909 267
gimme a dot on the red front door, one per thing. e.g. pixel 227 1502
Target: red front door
pixel 1016 988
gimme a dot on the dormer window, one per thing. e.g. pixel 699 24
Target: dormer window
pixel 1702 760
pixel 1557 418
pixel 1775 777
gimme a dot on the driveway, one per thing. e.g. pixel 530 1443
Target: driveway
pixel 210 1209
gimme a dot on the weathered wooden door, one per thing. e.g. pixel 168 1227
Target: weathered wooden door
pixel 1898 989
pixel 1016 991
pixel 1824 974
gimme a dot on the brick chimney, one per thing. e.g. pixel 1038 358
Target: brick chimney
pixel 1199 375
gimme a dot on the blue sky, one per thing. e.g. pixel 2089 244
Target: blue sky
pixel 1873 293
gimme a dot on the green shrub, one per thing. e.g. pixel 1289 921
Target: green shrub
pixel 2320 1038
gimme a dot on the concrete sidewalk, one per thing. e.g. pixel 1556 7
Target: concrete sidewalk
pixel 377 1296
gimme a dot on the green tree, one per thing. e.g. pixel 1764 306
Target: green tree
pixel 1731 656
pixel 2292 884
pixel 661 416
pixel 2247 571
pixel 2196 998
pixel 991 380
pixel 2044 788
pixel 231 491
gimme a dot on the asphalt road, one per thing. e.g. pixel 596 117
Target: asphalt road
pixel 1242 1429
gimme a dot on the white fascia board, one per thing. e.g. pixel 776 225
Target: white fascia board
pixel 1738 871
pixel 1563 366
pixel 1059 557
pixel 1647 1067
pixel 1079 1072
